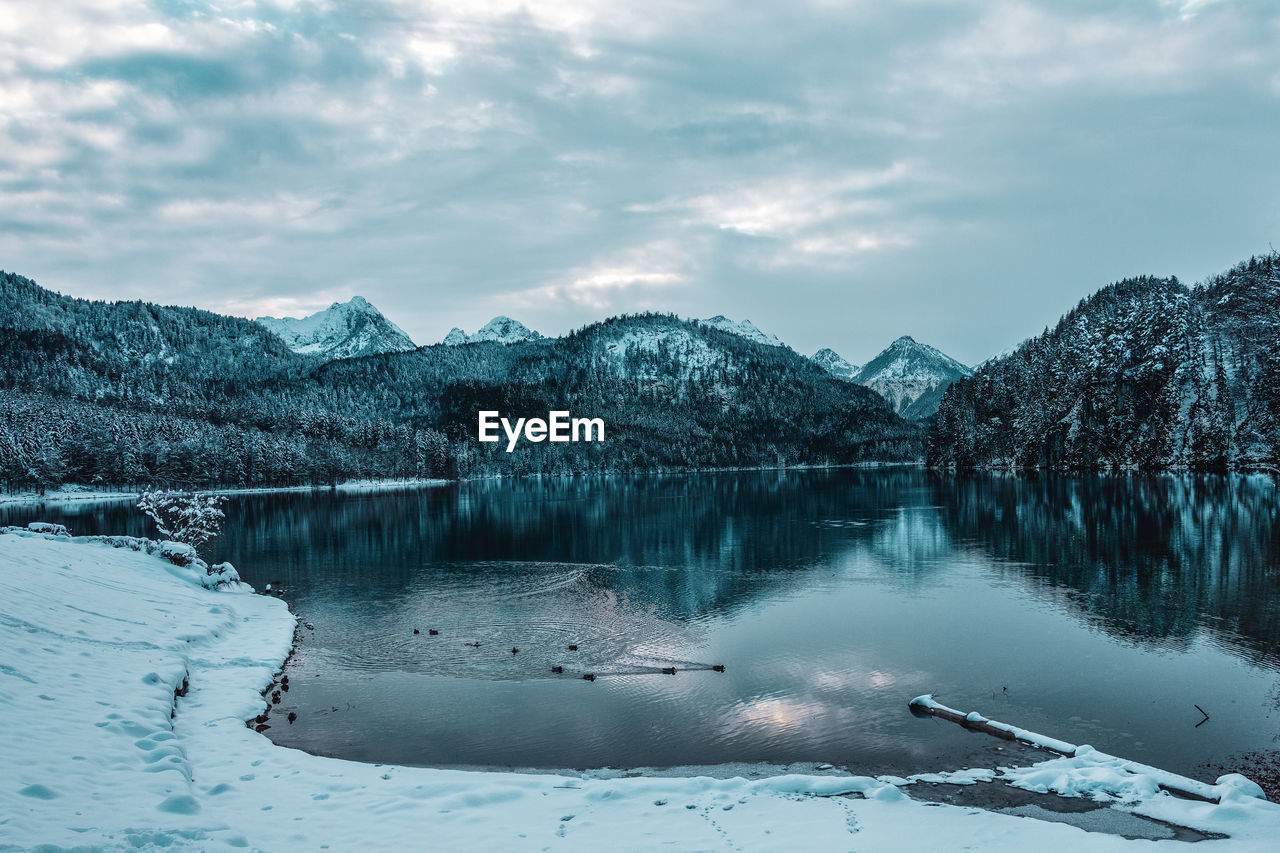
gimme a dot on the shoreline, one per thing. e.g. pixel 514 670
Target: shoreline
pixel 74 493
pixel 78 493
pixel 139 705
pixel 71 494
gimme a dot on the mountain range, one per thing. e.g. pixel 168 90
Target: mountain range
pixel 911 376
pixel 1147 372
pixel 115 393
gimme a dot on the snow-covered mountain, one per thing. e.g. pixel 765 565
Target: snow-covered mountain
pixel 912 376
pixel 500 329
pixel 656 349
pixel 832 362
pixel 343 330
pixel 744 329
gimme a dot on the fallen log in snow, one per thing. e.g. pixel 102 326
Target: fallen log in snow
pixel 1180 786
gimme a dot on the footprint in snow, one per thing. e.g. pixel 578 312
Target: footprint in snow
pixel 39 792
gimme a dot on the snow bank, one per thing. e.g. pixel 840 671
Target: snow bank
pixel 1095 774
pixel 103 748
pixel 182 559
pixel 46 527
pixel 1106 778
pixel 72 494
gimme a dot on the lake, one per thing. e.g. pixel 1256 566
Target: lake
pixel 1096 609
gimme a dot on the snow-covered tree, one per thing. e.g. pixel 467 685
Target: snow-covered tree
pixel 184 517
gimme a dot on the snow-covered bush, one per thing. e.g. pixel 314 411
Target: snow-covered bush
pixel 178 553
pixel 184 517
pixel 189 565
pixel 222 574
pixel 49 528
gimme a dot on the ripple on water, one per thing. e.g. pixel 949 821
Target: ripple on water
pixel 484 610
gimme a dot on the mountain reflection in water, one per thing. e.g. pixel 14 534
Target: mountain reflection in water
pixel 1099 609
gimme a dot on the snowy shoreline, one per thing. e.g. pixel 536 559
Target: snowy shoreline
pixel 104 748
pixel 71 494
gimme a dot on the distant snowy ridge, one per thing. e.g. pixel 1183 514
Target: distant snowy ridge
pixel 912 376
pixel 505 330
pixel 1004 353
pixel 835 364
pixel 500 329
pixel 343 330
pixel 745 329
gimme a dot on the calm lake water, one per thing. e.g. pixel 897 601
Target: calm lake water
pixel 1096 609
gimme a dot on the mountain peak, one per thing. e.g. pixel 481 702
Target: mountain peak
pixel 912 376
pixel 343 330
pixel 500 329
pixel 745 329
pixel 835 364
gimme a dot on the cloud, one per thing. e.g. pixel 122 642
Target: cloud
pixel 628 279
pixel 1015 48
pixel 578 158
pixel 598 289
pixel 784 207
pixel 804 218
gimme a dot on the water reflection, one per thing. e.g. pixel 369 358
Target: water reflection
pixel 1094 608
pixel 1149 558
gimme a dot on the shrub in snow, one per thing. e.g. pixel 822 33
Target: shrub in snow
pixel 222 574
pixel 46 527
pixel 183 517
pixel 178 553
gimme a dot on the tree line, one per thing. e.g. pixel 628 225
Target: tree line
pixel 1146 373
pixel 127 393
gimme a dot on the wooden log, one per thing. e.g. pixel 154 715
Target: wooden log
pixel 979 723
pixel 1179 786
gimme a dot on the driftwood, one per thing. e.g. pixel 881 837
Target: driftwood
pixel 925 706
pixel 1179 786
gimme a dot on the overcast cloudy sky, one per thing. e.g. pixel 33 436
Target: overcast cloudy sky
pixel 839 173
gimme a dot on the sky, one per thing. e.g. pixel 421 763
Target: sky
pixel 962 171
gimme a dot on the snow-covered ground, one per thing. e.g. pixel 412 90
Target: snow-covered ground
pixel 88 494
pixel 98 752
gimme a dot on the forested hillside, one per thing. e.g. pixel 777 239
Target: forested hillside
pixel 129 393
pixel 673 394
pixel 1145 373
